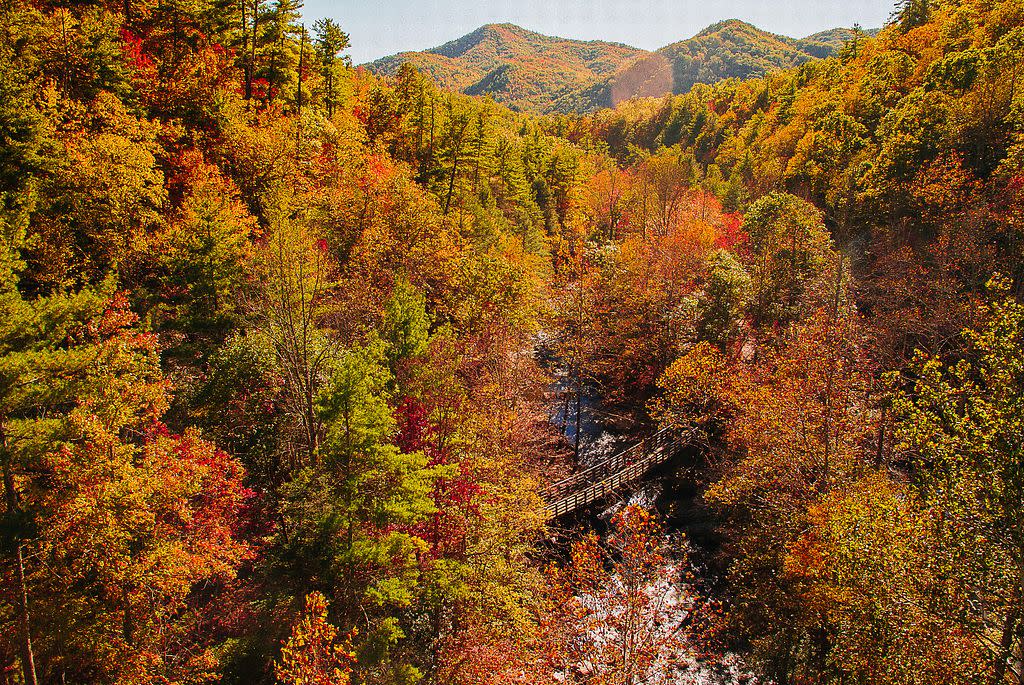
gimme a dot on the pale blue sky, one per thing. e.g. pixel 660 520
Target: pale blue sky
pixel 384 27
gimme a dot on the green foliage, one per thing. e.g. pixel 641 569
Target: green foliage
pixel 406 325
pixel 734 49
pixel 722 304
pixel 960 422
pixel 278 50
pixel 348 513
pixel 791 251
pixel 22 136
pixel 207 253
pixel 530 71
pixel 911 14
pixel 330 42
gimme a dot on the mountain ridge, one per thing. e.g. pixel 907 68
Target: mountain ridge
pixel 527 70
pixel 528 65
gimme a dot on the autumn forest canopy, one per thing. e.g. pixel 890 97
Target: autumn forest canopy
pixel 291 354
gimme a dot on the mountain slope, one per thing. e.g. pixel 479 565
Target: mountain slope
pixel 728 49
pixel 518 67
pixel 731 49
pixel 531 71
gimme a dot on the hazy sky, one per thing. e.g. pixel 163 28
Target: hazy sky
pixel 384 27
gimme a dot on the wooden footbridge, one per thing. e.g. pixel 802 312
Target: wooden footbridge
pixel 612 474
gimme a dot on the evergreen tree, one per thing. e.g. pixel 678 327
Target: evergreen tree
pixel 280 48
pixel 330 42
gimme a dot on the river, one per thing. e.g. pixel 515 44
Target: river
pixel 673 490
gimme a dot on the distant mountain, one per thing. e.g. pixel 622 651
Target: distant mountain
pixel 518 67
pixel 728 49
pixel 531 71
pixel 833 39
pixel 735 48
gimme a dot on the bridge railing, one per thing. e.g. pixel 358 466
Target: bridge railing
pixel 603 470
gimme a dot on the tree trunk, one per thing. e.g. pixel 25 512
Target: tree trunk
pixel 28 663
pixel 1006 643
pixel 579 406
pixel 302 59
pixel 251 75
pixel 246 63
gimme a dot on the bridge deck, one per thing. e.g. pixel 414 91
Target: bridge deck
pixel 611 474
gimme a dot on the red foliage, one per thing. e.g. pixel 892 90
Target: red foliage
pixel 456 497
pixel 223 494
pixel 457 502
pixel 732 237
pixel 378 172
pixel 261 89
pixel 413 425
pixel 131 48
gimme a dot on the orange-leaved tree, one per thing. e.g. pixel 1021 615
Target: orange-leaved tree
pixel 620 613
pixel 314 654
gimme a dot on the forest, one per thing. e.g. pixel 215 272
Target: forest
pixel 276 343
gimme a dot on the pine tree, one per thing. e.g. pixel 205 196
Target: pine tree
pixel 910 14
pixel 330 41
pixel 44 361
pixel 280 47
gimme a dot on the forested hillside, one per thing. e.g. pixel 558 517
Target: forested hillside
pixel 273 408
pixel 862 392
pixel 735 49
pixel 533 72
pixel 519 68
